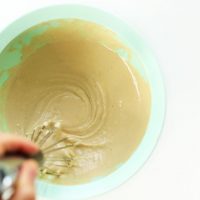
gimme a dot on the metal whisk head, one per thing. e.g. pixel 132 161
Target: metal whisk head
pixel 58 150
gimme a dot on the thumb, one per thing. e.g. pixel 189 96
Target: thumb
pixel 25 189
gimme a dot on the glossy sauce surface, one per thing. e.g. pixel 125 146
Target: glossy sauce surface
pixel 76 83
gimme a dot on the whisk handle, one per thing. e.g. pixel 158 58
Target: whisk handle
pixel 18 154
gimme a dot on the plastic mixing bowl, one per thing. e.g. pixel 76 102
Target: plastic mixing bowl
pixel 145 63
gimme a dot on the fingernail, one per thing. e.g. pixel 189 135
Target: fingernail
pixel 32 174
pixel 33 171
pixel 29 171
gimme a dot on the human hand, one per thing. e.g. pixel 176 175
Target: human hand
pixel 25 181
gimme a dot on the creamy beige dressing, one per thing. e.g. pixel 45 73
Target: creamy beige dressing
pixel 98 101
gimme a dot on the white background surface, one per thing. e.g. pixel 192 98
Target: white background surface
pixel 172 29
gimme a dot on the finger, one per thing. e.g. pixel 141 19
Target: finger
pixel 25 189
pixel 15 143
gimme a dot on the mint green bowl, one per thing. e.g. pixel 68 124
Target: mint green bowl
pixel 145 63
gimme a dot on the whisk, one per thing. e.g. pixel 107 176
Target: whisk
pixel 59 155
pixel 58 148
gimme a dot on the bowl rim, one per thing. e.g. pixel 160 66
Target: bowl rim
pixel 129 37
